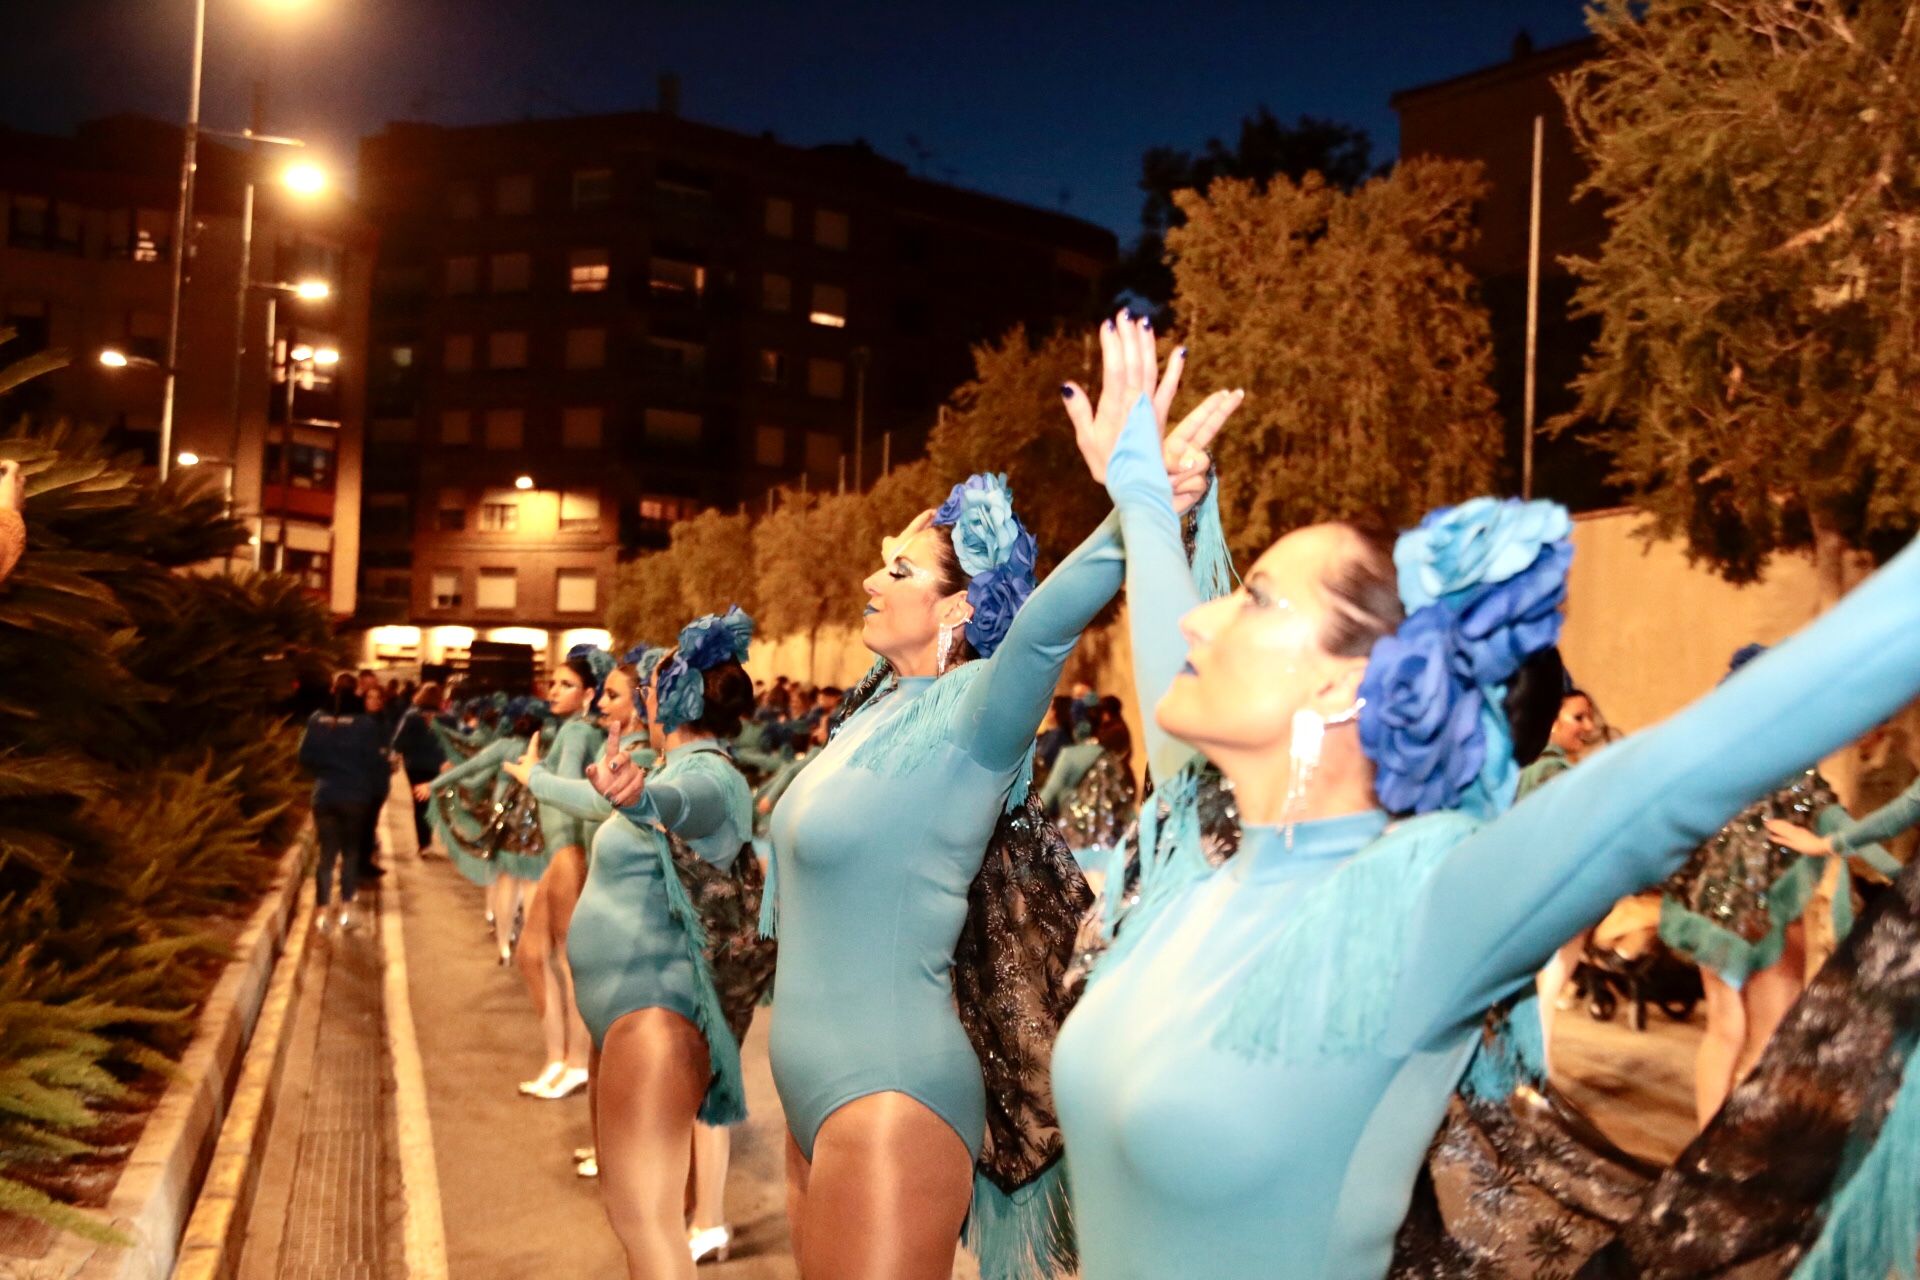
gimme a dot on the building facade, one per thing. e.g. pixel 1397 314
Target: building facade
pixel 86 267
pixel 585 329
pixel 1488 116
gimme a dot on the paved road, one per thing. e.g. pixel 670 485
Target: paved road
pixel 513 1208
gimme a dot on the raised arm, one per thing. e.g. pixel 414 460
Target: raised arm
pixel 1005 704
pixel 576 797
pixel 480 766
pixel 1509 894
pixel 1884 823
pixel 695 800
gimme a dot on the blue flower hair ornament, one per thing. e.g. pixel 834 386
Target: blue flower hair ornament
pixel 1482 584
pixel 599 665
pixel 705 643
pixel 994 550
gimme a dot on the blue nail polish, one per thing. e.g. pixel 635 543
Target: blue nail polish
pixel 1146 322
pixel 1182 353
pixel 1066 391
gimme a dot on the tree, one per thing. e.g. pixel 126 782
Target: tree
pixel 1357 336
pixel 1008 418
pixel 713 555
pixel 648 604
pixel 1759 289
pixel 1266 149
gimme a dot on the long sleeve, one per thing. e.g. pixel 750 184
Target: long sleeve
pixel 313 749
pixel 1160 587
pixel 576 797
pixel 1884 823
pixel 572 747
pixel 1008 701
pixel 1519 887
pixel 481 766
pixel 690 805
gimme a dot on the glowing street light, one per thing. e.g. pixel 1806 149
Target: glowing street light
pixel 326 357
pixel 312 290
pixel 188 458
pixel 304 178
pixel 301 353
pixel 113 359
pixel 523 482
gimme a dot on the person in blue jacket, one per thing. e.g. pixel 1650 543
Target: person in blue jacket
pixel 343 748
pixel 1250 1082
pixel 421 755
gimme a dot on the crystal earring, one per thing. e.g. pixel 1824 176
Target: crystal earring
pixel 1303 755
pixel 945 649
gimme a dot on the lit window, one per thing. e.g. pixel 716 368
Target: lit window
pixel 506 428
pixel 586 348
pixel 779 218
pixel 826 379
pixel 829 229
pixel 676 426
pixel 498 517
pixel 463 275
pixel 499 589
pixel 463 199
pixel 770 366
pixel 575 591
pixel 581 427
pixel 457 355
pixel 513 194
pixel 588 271
pixel 446 589
pixel 664 510
pixel 511 272
pixel 592 188
pixel 770 446
pixel 579 510
pixel 152 234
pixel 507 349
pixel 829 308
pixel 400 357
pixel 673 277
pixel 776 293
pixel 456 426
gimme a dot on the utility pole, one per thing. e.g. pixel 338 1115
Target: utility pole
pixel 1533 315
pixel 182 221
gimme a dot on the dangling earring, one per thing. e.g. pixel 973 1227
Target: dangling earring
pixel 945 649
pixel 1303 755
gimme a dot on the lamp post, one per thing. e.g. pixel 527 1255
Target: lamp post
pixel 181 220
pixel 188 458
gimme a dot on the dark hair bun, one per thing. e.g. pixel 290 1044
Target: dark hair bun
pixel 1533 703
pixel 728 694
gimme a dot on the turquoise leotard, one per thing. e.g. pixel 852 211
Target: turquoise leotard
pixel 626 950
pixel 873 860
pixel 1380 948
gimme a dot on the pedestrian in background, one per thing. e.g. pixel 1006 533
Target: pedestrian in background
pixel 342 749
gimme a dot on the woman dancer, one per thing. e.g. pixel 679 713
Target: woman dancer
pixel 561 870
pixel 1251 1080
pixel 469 835
pixel 664 1051
pixel 876 843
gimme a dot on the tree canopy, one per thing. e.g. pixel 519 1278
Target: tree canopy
pixel 1759 289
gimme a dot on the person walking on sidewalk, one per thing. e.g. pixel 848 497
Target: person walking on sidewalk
pixel 343 749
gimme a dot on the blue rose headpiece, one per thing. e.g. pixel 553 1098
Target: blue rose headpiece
pixel 599 663
pixel 705 643
pixel 994 550
pixel 1482 584
pixel 644 659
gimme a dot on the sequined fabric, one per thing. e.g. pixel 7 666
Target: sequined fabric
pixel 728 904
pixel 1100 809
pixel 1728 880
pixel 1010 971
pixel 513 826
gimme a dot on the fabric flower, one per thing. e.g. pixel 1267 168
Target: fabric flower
pixel 1504 624
pixel 599 661
pixel 996 596
pixel 719 637
pixel 1421 724
pixel 979 512
pixel 1476 544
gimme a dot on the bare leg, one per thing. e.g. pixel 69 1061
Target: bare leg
pixel 798 1169
pixel 886 1194
pixel 566 877
pixel 1552 981
pixel 1767 997
pixel 500 907
pixel 1721 1049
pixel 653 1073
pixel 543 985
pixel 712 1144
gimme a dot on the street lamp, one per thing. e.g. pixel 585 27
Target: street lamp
pixel 523 483
pixel 313 290
pixel 304 178
pixel 113 359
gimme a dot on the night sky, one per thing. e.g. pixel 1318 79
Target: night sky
pixel 1051 104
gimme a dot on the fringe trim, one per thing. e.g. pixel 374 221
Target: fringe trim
pixel 1513 1054
pixel 1323 986
pixel 726 1097
pixel 1213 571
pixel 1169 857
pixel 770 896
pixel 908 741
pixel 1732 957
pixel 1027 1235
pixel 1872 1225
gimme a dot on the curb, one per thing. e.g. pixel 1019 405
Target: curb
pixel 155 1194
pixel 211 1245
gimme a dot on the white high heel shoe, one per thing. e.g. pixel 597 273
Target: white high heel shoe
pixel 570 1081
pixel 712 1245
pixel 540 1084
